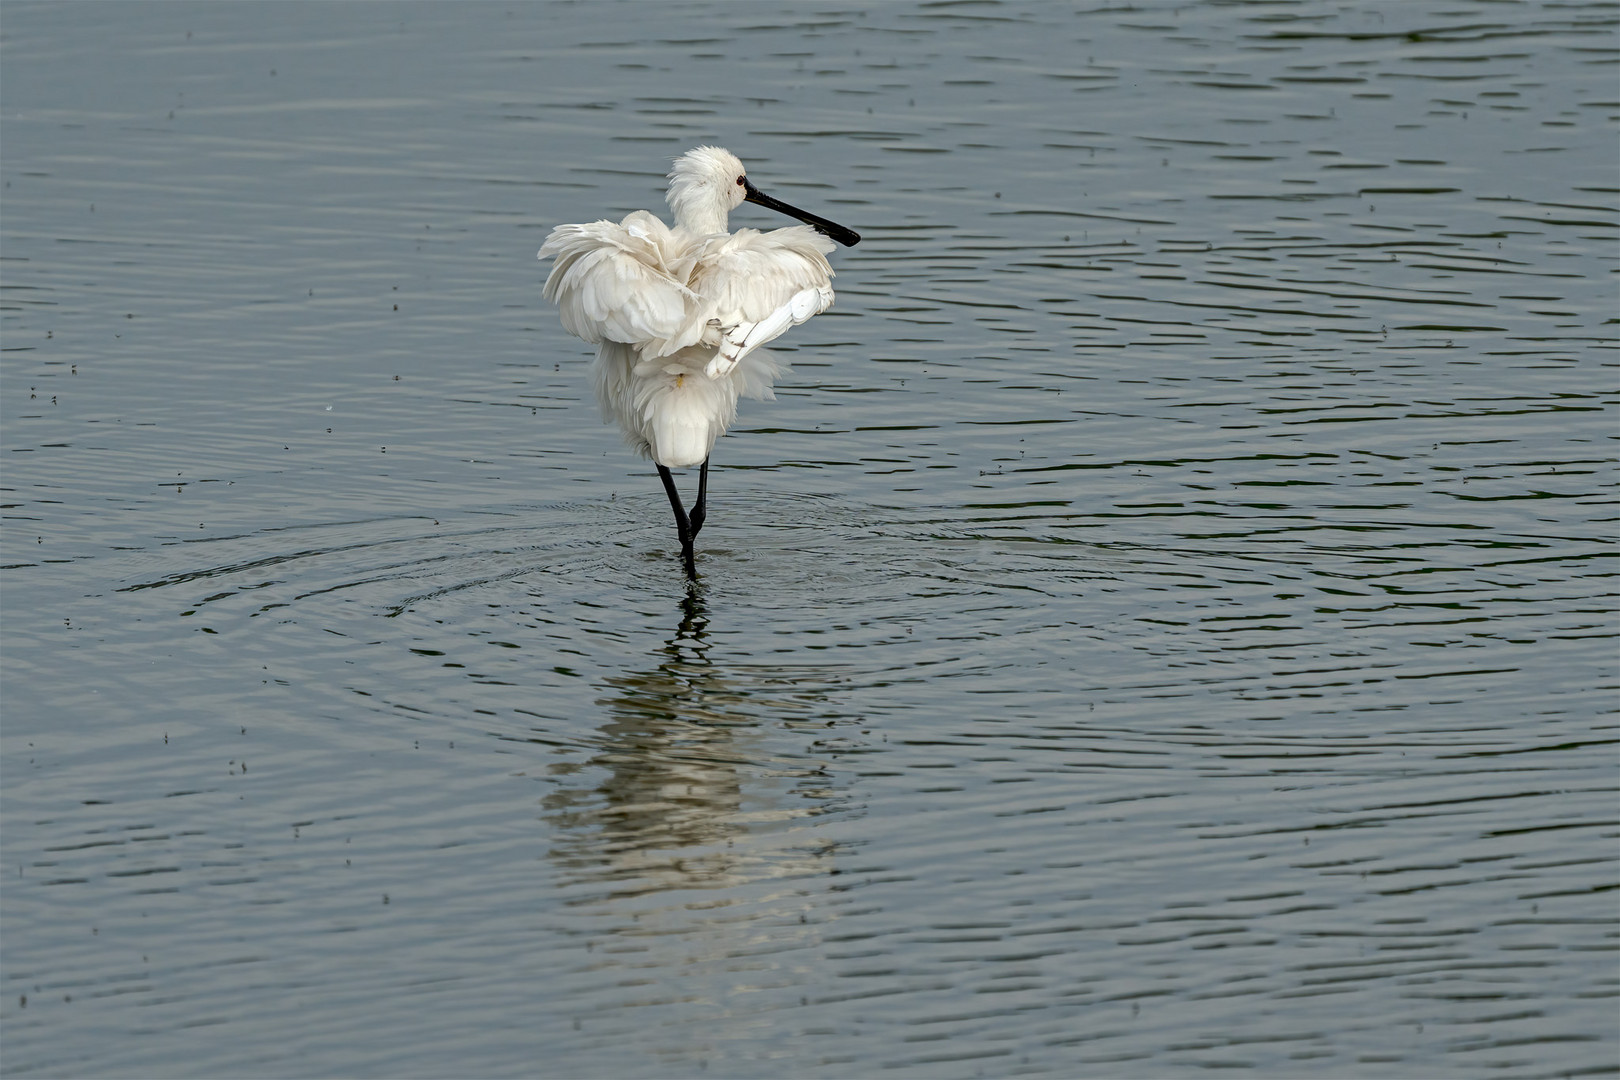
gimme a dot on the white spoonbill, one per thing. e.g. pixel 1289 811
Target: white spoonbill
pixel 678 315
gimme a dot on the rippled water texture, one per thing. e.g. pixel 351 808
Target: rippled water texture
pixel 1166 623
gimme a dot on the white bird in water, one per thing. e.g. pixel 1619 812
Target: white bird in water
pixel 679 315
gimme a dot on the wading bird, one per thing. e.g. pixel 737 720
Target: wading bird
pixel 678 315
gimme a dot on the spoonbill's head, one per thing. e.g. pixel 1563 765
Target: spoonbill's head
pixel 707 183
pixel 704 184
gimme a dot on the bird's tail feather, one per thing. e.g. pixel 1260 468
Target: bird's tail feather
pixel 667 408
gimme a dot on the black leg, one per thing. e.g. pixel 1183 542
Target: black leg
pixel 683 525
pixel 701 511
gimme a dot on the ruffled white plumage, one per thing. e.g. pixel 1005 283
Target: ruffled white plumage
pixel 617 282
pixel 667 408
pixel 679 315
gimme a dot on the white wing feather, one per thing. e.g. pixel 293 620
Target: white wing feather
pixel 621 282
pixel 756 285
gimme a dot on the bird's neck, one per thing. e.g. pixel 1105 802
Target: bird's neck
pixel 702 220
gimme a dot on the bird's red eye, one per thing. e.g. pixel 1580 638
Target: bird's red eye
pixel 739 181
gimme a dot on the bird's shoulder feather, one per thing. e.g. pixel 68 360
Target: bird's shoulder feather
pixel 748 275
pixel 623 281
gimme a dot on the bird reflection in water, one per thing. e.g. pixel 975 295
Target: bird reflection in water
pixel 690 775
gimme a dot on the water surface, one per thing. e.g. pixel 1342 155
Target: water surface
pixel 1165 623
